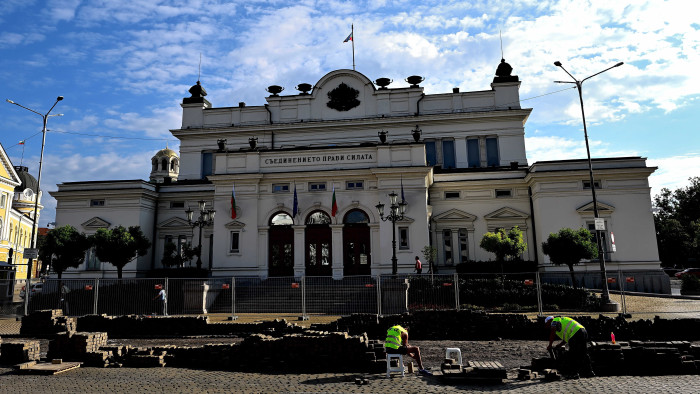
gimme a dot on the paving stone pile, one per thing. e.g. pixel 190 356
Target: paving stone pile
pixel 479 325
pixel 46 323
pixel 73 346
pixel 19 351
pixel 634 358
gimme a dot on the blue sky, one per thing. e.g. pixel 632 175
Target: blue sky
pixel 124 67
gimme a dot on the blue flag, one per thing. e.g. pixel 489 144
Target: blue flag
pixel 295 207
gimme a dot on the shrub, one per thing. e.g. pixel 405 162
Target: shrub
pixel 690 283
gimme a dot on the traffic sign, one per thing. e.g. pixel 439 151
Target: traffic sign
pixel 31 253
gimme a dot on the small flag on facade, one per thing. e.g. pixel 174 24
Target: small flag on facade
pixel 233 202
pixel 295 206
pixel 334 204
pixel 349 38
pixel 403 196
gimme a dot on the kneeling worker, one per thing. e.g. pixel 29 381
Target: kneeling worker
pixel 397 343
pixel 573 333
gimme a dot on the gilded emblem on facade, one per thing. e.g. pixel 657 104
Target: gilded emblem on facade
pixel 343 98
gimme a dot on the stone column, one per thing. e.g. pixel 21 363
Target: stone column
pixel 299 250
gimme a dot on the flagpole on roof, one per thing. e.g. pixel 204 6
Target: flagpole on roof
pixel 22 159
pixel 352 33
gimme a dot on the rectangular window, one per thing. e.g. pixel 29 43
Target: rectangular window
pixel 447 247
pixel 463 246
pixel 317 187
pixel 587 184
pixel 449 195
pixel 2 200
pixel 97 203
pixel 448 154
pixel 280 188
pixel 354 185
pixel 403 237
pixel 503 193
pixel 492 152
pixel 168 240
pixel 92 263
pixel 473 157
pixel 603 238
pixel 207 164
pixel 181 242
pixel 235 238
pixel 430 154
pixel 177 204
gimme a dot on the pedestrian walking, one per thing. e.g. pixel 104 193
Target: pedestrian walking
pixel 64 299
pixel 163 300
pixel 418 266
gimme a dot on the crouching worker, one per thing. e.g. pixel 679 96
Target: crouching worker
pixel 397 343
pixel 573 333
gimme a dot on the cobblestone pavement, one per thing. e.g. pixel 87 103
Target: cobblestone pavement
pixel 175 380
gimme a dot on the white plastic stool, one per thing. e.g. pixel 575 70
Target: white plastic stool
pixel 389 368
pixel 455 353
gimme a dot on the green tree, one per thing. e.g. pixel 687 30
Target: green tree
pixel 171 258
pixel 63 248
pixel 505 245
pixel 569 247
pixel 119 245
pixel 677 222
pixel 430 254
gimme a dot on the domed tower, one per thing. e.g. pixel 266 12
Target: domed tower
pixel 26 192
pixel 165 166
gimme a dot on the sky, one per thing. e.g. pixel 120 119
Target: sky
pixel 123 68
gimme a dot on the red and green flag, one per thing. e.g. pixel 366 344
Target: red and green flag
pixel 334 204
pixel 233 202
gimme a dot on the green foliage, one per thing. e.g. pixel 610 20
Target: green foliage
pixel 171 258
pixel 119 245
pixel 504 245
pixel 677 221
pixel 63 248
pixel 690 283
pixel 430 253
pixel 569 247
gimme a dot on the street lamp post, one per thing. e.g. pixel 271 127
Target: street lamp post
pixel 396 214
pixel 608 305
pixel 206 218
pixel 38 190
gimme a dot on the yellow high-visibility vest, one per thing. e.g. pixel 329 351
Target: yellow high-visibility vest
pixel 569 327
pixel 393 337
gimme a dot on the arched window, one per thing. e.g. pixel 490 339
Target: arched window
pixel 164 164
pixel 173 165
pixel 356 216
pixel 281 219
pixel 318 217
pixel 154 162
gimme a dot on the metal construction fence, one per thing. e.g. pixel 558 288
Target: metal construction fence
pixel 533 292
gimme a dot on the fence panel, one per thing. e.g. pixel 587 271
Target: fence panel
pixel 271 295
pixel 74 296
pixel 427 292
pixel 12 297
pixel 352 294
pixel 130 296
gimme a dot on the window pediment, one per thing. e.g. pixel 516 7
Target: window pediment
pixel 454 215
pixel 173 223
pixel 95 223
pixel 603 208
pixel 234 225
pixel 506 213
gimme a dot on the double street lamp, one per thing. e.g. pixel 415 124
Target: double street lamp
pixel 38 190
pixel 206 218
pixel 607 303
pixel 397 210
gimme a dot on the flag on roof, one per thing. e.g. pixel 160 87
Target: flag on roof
pixel 349 38
pixel 21 142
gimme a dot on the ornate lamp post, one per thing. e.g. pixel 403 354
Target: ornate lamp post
pixel 608 305
pixel 38 189
pixel 396 213
pixel 206 218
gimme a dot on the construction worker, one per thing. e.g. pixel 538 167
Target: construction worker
pixel 572 332
pixel 397 343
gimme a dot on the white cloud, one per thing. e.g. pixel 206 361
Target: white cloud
pixel 674 171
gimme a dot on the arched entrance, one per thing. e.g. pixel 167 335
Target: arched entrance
pixel 281 245
pixel 356 241
pixel 318 240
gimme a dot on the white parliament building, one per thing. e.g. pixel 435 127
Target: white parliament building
pixel 458 159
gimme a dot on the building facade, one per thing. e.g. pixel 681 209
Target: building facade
pixel 18 194
pixel 295 184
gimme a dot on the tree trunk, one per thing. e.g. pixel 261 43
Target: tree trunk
pixel 119 272
pixel 573 278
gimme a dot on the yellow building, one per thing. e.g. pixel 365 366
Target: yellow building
pixel 18 193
